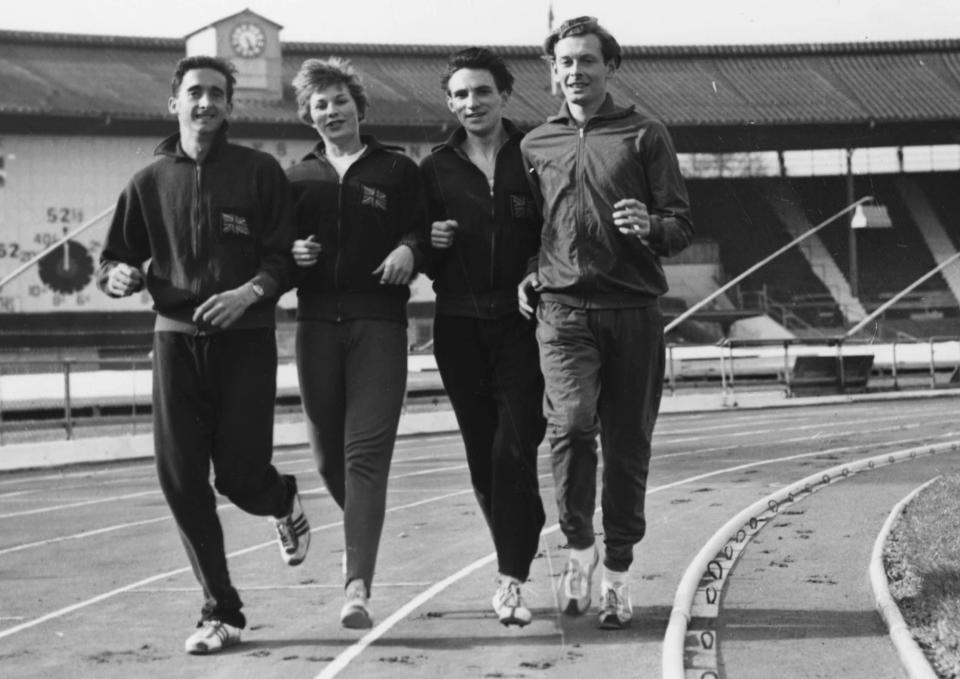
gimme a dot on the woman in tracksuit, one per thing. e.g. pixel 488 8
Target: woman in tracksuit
pixel 358 206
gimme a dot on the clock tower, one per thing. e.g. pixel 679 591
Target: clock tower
pixel 252 43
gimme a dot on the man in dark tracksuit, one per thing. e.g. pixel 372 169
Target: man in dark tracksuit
pixel 215 221
pixel 485 228
pixel 614 202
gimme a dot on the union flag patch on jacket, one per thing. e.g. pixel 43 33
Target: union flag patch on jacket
pixel 233 224
pixel 522 207
pixel 374 198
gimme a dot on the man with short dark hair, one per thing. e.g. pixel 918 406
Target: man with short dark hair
pixel 214 220
pixel 484 229
pixel 613 202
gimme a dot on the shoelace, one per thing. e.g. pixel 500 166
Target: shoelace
pixel 511 596
pixel 612 599
pixel 218 629
pixel 575 579
pixel 286 534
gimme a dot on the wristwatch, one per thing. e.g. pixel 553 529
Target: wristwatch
pixel 257 290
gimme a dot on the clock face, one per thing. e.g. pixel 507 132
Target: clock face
pixel 248 40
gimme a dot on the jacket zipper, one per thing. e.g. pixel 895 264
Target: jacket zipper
pixel 581 143
pixel 336 263
pixel 198 224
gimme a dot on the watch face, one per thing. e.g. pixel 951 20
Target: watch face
pixel 247 40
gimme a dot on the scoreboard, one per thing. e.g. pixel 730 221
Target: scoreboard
pixel 51 185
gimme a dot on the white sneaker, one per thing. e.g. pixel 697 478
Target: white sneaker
pixel 293 533
pixel 355 614
pixel 212 636
pixel 616 611
pixel 573 592
pixel 508 603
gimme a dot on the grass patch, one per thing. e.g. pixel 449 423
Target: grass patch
pixel 922 561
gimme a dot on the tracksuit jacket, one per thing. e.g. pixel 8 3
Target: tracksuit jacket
pixel 497 234
pixel 377 206
pixel 578 175
pixel 206 228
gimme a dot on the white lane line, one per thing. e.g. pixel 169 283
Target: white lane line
pixel 270 588
pixel 341 661
pixel 226 506
pixel 825 427
pixel 82 535
pixel 344 659
pixel 179 571
pixel 800 439
pixel 84 503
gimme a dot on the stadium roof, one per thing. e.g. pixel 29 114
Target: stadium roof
pixel 712 97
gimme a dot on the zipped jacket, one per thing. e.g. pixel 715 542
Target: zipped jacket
pixel 499 229
pixel 358 221
pixel 206 228
pixel 579 174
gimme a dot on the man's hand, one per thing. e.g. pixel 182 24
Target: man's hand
pixel 441 233
pixel 123 280
pixel 225 308
pixel 306 252
pixel 631 218
pixel 397 268
pixel 526 291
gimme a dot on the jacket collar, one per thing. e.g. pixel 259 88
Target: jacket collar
pixel 455 140
pixel 607 110
pixel 319 151
pixel 171 145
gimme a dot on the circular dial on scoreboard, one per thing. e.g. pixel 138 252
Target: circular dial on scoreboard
pixel 67 269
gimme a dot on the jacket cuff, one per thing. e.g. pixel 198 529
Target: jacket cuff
pixel 271 288
pixel 410 240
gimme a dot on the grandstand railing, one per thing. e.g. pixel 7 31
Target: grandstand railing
pixel 928 364
pixel 73 398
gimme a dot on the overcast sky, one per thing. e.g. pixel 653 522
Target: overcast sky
pixel 504 22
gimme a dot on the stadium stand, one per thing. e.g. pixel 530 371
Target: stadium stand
pixel 725 106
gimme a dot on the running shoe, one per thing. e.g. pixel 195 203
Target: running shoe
pixel 355 614
pixel 509 605
pixel 616 611
pixel 293 533
pixel 573 593
pixel 212 636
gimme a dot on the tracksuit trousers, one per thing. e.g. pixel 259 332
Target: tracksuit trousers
pixel 604 375
pixel 353 379
pixel 489 369
pixel 213 402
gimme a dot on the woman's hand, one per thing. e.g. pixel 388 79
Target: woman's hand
pixel 397 268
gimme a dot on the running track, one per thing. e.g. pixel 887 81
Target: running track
pixel 95 582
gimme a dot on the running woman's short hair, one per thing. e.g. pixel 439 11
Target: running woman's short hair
pixel 319 74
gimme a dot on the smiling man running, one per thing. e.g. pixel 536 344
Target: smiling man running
pixel 484 229
pixel 215 222
pixel 614 202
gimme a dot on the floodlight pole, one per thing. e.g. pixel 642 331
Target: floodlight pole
pixel 896 298
pixel 722 289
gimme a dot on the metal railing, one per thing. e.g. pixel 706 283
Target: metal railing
pixel 61 397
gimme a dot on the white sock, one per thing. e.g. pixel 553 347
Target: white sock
pixel 584 556
pixel 614 578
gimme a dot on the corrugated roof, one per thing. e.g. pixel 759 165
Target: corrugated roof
pixel 46 74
